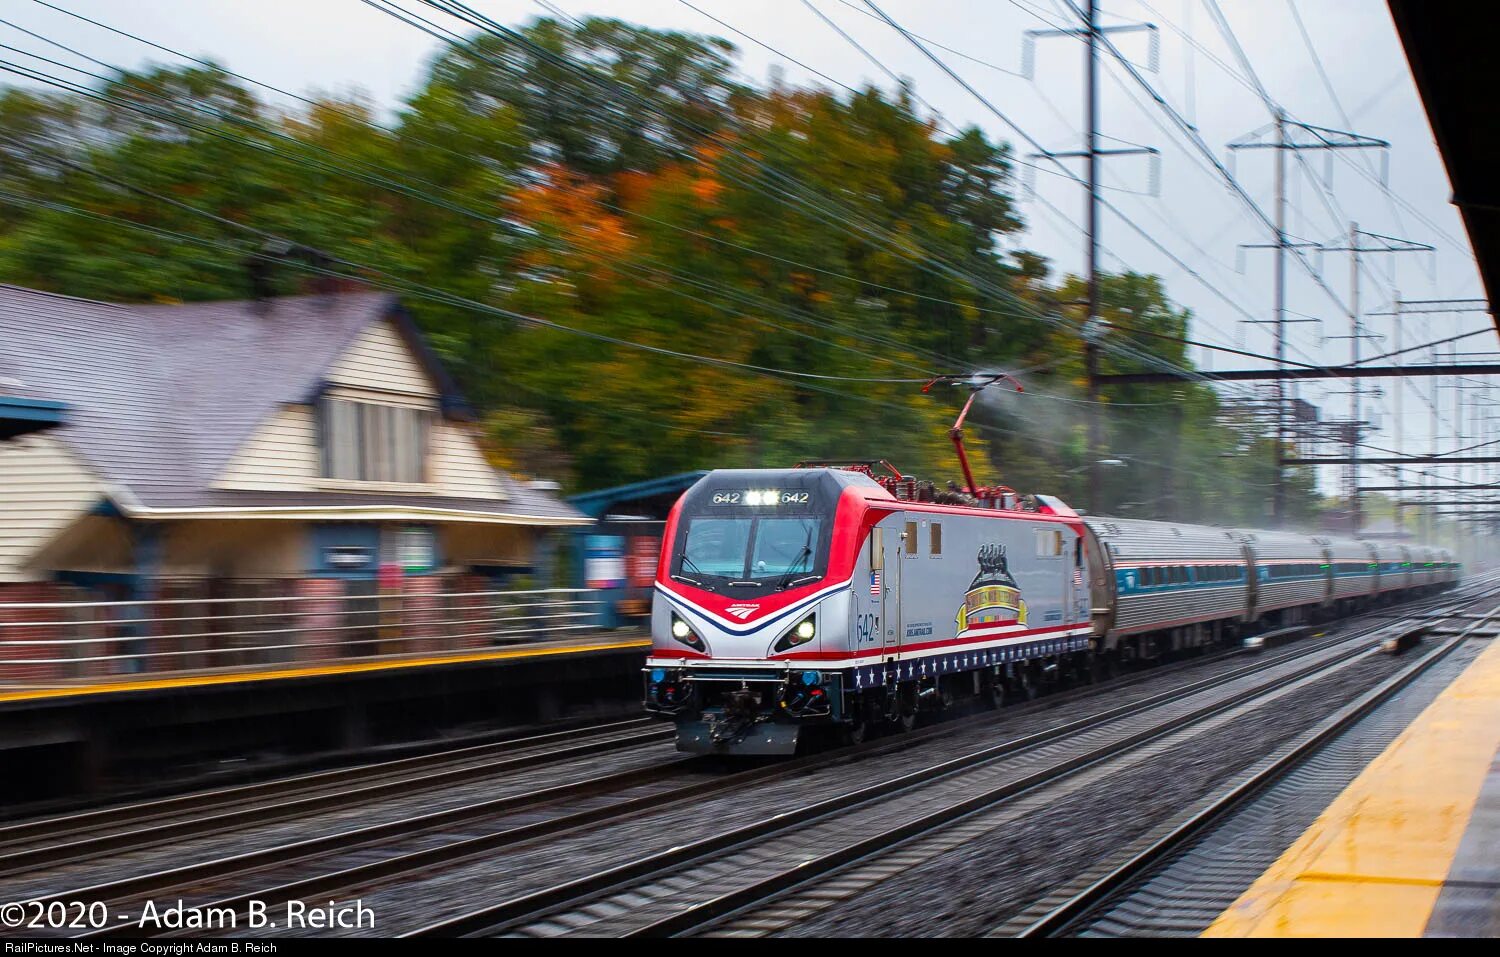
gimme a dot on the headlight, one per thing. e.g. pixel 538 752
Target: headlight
pixel 683 632
pixel 805 631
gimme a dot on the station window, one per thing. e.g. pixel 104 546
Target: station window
pixel 371 442
pixel 935 539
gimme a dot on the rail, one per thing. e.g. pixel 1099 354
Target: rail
pixel 64 641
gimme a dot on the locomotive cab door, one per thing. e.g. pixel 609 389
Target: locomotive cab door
pixel 890 592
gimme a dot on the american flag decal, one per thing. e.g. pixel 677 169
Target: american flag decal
pixel 1078 578
pixel 874 584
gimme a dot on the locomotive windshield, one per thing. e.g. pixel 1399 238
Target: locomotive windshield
pixel 750 548
pixel 751 533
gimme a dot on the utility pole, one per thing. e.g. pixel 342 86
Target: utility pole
pixel 1091 325
pixel 1278 502
pixel 1400 411
pixel 1376 244
pixel 1354 337
pixel 1093 328
pixel 1317 138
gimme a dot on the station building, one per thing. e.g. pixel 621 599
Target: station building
pixel 225 448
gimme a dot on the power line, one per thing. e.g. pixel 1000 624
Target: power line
pixel 711 360
pixel 1193 137
pixel 839 219
pixel 339 168
pixel 210 65
pixel 1039 149
pixel 436 294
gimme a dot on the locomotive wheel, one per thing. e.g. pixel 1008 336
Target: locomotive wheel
pixel 1102 666
pixel 1026 684
pixel 855 731
pixel 994 694
pixel 904 715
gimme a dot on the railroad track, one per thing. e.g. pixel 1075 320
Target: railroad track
pixel 1075 906
pixel 299 870
pixel 754 913
pixel 687 888
pixel 59 840
pixel 515 820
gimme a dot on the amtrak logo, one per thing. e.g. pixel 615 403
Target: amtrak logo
pixel 742 611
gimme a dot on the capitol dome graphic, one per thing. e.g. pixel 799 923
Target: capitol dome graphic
pixel 994 598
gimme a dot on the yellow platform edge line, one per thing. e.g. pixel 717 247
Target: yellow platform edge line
pixel 313 671
pixel 1374 862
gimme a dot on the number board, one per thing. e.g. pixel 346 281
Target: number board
pixel 760 497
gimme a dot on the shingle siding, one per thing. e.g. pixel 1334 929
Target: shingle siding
pixel 282 456
pixel 43 488
pixel 380 360
pixel 458 467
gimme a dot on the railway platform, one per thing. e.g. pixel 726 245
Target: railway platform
pixel 205 693
pixel 1411 847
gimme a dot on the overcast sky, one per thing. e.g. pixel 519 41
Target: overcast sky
pixel 344 45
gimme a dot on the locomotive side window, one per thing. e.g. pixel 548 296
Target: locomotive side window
pixel 877 549
pixel 911 539
pixel 935 545
pixel 1049 543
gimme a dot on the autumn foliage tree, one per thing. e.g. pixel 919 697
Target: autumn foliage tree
pixel 635 261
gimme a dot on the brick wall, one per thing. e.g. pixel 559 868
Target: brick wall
pixel 318 619
pixel 25 624
pixel 469 612
pixel 422 606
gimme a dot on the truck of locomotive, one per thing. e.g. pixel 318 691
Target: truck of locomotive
pixel 820 597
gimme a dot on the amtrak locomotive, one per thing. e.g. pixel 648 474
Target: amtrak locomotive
pixel 823 596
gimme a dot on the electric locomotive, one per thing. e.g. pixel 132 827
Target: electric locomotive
pixel 820 596
pixel 829 596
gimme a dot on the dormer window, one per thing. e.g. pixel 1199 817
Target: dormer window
pixel 373 442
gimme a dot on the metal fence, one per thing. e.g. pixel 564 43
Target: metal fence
pixel 45 642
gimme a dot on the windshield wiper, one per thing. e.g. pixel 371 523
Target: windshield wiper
pixel 793 568
pixel 686 561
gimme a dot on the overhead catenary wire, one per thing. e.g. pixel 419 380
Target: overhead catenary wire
pixel 938 114
pixel 1196 139
pixel 338 167
pixel 155 45
pixel 840 219
pixel 376 278
pixel 1006 119
pixel 832 378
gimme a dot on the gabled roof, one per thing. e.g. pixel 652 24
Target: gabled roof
pixel 160 397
